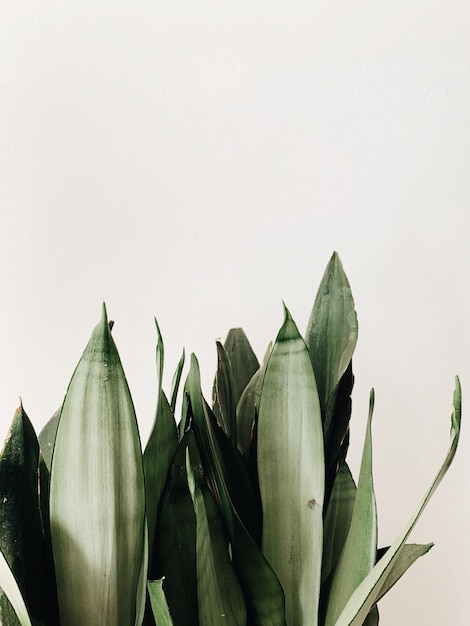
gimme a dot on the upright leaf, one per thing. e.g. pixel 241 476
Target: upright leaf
pixel 247 407
pixel 21 533
pixel 360 549
pixel 220 598
pixel 10 588
pixel 175 384
pixel 160 609
pixel 175 541
pixel 263 593
pixel 160 448
pixel 97 502
pixel 331 334
pixel 338 518
pixel 242 359
pixel 224 401
pixel 291 473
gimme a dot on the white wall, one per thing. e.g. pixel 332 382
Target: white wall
pixel 199 161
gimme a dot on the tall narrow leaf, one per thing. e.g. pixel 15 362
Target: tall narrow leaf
pixel 338 518
pixel 331 334
pixel 223 395
pixel 97 496
pixel 22 532
pixel 160 609
pixel 264 596
pixel 160 448
pixel 369 591
pixel 220 598
pixel 291 473
pixel 360 549
pixel 13 593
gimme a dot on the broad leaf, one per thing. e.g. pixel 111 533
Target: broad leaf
pixel 97 501
pixel 291 473
pixel 13 593
pixel 331 334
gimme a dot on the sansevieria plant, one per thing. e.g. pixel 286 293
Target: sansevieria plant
pixel 241 512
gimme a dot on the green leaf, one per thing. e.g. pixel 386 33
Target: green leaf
pixel 247 407
pixel 160 448
pixel 263 593
pixel 360 549
pixel 13 593
pixel 242 359
pixel 176 382
pixel 97 501
pixel 160 609
pixel 47 437
pixel 337 518
pixel 175 541
pixel 409 553
pixel 369 591
pixel 372 618
pixel 331 334
pixel 291 473
pixel 21 531
pixel 220 598
pixel 336 420
pixel 224 402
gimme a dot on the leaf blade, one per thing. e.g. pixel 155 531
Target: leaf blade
pixel 97 462
pixel 291 473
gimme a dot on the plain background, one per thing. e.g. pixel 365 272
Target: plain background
pixel 200 161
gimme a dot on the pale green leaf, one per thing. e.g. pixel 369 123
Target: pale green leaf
pixel 290 466
pixel 97 500
pixel 220 599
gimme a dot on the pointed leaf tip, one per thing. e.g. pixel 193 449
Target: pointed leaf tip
pixel 289 328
